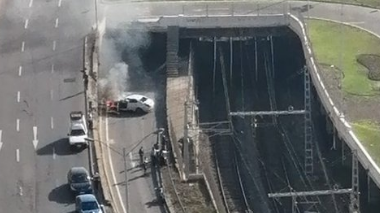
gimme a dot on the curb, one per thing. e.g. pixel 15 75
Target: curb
pixel 92 98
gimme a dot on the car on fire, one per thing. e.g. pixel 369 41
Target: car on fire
pixel 130 103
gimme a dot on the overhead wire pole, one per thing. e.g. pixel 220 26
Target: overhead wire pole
pixel 126 180
pixel 96 15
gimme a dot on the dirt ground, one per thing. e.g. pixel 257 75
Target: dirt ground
pixel 355 107
pixel 191 194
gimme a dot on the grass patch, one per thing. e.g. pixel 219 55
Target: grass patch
pixel 368 133
pixel 366 3
pixel 332 41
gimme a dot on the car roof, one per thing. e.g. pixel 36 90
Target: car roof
pixel 135 96
pixel 78 170
pixel 87 198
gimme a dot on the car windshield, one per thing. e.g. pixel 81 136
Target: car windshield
pixel 87 206
pixel 143 99
pixel 79 178
pixel 77 132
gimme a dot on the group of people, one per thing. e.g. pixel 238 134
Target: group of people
pixel 157 154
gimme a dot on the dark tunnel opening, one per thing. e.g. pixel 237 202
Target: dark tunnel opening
pixel 267 152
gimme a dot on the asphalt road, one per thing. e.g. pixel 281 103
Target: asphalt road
pixel 125 132
pixel 41 58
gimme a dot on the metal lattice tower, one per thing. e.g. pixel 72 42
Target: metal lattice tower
pixel 354 197
pixel 309 167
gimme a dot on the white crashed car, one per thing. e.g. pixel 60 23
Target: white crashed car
pixel 136 103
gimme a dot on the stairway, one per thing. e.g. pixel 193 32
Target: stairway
pixel 172 45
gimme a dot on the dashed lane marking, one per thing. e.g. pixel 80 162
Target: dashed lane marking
pixel 131 158
pixel 23 46
pixel 54 155
pixel 52 122
pixel 18 96
pixel 54 45
pixel 51 95
pixel 26 23
pixel 56 23
pixel 59 3
pixel 18 125
pixel 35 141
pixel 52 68
pixel 20 71
pixel 31 3
pixel 18 155
pixel 1 137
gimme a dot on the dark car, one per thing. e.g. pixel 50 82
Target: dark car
pixel 87 203
pixel 79 180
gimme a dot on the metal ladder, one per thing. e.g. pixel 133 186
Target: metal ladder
pixel 172 46
pixel 309 167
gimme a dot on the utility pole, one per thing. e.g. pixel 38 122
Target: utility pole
pixel 126 179
pixel 96 15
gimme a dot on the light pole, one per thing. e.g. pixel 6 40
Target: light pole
pixel 96 15
pixel 124 155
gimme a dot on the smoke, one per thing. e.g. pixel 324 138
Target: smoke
pixel 114 85
pixel 121 66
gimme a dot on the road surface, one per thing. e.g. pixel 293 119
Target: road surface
pixel 125 132
pixel 41 59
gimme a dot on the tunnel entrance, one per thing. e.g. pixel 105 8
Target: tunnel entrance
pixel 265 154
pixel 262 154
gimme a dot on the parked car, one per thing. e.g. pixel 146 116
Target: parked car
pixel 87 203
pixel 79 180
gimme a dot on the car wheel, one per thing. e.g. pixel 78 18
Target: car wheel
pixel 139 111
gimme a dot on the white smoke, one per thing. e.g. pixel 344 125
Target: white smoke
pixel 115 40
pixel 114 83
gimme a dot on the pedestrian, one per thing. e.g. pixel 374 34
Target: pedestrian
pixel 141 154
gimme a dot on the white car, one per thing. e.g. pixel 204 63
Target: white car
pixel 136 103
pixel 78 132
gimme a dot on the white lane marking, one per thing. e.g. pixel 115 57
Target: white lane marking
pixel 54 45
pixel 59 3
pixel 18 96
pixel 56 23
pixel 52 122
pixel 20 191
pixel 56 183
pixel 51 94
pixel 131 158
pixel 26 23
pixel 112 170
pixel 23 46
pixel 54 153
pixel 52 68
pixel 17 125
pixel 20 71
pixel 1 136
pixel 18 155
pixel 31 3
pixel 35 141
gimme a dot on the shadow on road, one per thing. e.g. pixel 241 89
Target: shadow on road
pixel 153 203
pixel 59 147
pixel 62 195
pixel 72 96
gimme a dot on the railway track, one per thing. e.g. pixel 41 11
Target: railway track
pixel 229 176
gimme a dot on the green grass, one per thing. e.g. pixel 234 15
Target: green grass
pixel 331 40
pixel 366 3
pixel 369 134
